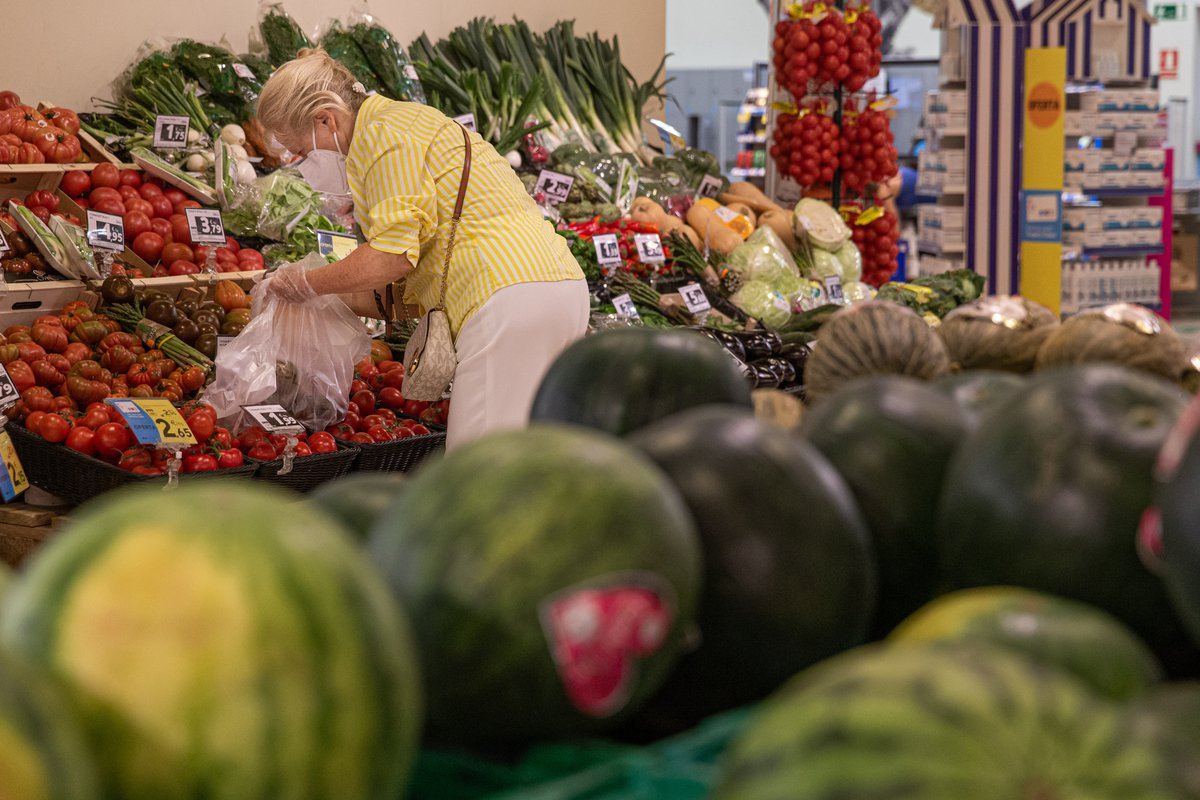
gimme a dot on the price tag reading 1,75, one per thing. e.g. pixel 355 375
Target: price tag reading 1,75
pixel 274 419
pixel 153 420
pixel 694 298
pixel 171 132
pixel 608 250
pixel 205 226
pixel 467 121
pixel 649 248
pixel 623 303
pixel 8 390
pixel 12 479
pixel 554 185
pixel 105 231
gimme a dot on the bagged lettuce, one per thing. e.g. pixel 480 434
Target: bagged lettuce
pixel 762 302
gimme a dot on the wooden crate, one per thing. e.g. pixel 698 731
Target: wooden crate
pixel 246 279
pixel 22 303
pixel 23 528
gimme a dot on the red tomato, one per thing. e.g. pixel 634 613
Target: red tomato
pixel 202 422
pixel 322 442
pixel 94 417
pixel 225 257
pixel 262 451
pixel 162 206
pixel 199 463
pixel 391 397
pixel 302 449
pixel 81 440
pixel 147 245
pixel 33 421
pixel 250 259
pixel 386 413
pixel 201 253
pixel 186 204
pixel 111 441
pixel 183 268
pixel 232 244
pixel 357 386
pixel 230 457
pixel 177 251
pixel 105 193
pixel 362 438
pixel 131 177
pixel 109 207
pixel 174 195
pixel 222 438
pixel 139 205
pixel 339 431
pixel 53 428
pixel 353 420
pixel 372 420
pixel 419 430
pixel 149 191
pixel 128 193
pixel 179 229
pixel 162 227
pixel 106 175
pixel 136 224
pixel 365 400
pixel 250 437
pixel 76 183
pixel 404 433
pixel 351 408
pixel 413 408
pixel 378 433
pixel 147 471
pixel 387 365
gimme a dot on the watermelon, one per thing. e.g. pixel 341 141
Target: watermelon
pixel 977 391
pixel 1048 494
pixel 620 380
pixel 1079 640
pixel 892 437
pixel 1171 716
pixel 43 753
pixel 357 500
pixel 919 723
pixel 551 575
pixel 223 641
pixel 789 573
pixel 6 578
pixel 1177 554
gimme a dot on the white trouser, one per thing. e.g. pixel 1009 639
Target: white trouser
pixel 504 351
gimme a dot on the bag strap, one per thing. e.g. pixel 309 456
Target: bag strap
pixel 458 208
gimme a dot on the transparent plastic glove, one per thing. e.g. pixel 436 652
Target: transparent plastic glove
pixel 289 284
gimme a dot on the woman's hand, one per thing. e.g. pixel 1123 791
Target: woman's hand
pixel 288 284
pixel 364 270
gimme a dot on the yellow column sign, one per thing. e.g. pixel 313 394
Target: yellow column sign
pixel 1042 174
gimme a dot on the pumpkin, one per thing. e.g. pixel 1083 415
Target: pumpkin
pixel 231 296
pixel 1126 334
pixel 873 338
pixel 1002 332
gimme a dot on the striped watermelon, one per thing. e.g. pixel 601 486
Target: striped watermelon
pixel 6 578
pixel 1079 639
pixel 1171 717
pixel 357 500
pixel 551 575
pixel 916 723
pixel 43 754
pixel 224 642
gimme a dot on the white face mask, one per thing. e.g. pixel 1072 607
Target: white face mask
pixel 325 170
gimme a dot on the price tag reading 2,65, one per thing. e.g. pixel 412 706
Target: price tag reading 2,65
pixel 554 185
pixel 608 250
pixel 13 480
pixel 153 420
pixel 205 226
pixel 274 419
pixel 171 132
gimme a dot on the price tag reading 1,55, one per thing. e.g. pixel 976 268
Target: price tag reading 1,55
pixel 153 420
pixel 12 479
pixel 624 305
pixel 105 231
pixel 554 185
pixel 274 419
pixel 171 132
pixel 205 226
pixel 608 250
pixel 694 298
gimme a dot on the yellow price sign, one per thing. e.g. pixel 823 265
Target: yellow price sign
pixel 870 215
pixel 14 480
pixel 153 420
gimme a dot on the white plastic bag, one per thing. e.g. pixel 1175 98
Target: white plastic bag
pixel 299 355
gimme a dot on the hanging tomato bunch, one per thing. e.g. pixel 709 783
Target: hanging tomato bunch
pixel 825 47
pixel 868 155
pixel 806 146
pixel 876 233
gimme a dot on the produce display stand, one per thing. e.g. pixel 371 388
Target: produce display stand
pixel 309 472
pixel 23 528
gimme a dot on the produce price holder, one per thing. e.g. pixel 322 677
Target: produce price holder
pixel 156 422
pixel 13 480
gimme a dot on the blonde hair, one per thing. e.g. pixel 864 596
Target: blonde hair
pixel 303 87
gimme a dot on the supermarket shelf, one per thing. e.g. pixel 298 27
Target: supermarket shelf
pixel 752 138
pixel 748 172
pixel 1113 252
pixel 938 250
pixel 941 191
pixel 1133 191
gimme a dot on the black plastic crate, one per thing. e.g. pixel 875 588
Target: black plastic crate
pixel 307 472
pixel 401 455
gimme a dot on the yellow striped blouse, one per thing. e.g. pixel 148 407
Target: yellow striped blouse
pixel 404 166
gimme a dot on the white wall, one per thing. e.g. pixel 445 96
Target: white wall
pixel 71 50
pixel 716 34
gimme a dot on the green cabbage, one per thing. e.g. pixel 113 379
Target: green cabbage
pixel 760 301
pixel 851 262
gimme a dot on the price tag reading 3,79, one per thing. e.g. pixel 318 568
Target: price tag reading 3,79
pixel 153 420
pixel 608 250
pixel 8 390
pixel 171 132
pixel 13 480
pixel 554 185
pixel 623 303
pixel 205 226
pixel 274 419
pixel 105 231
pixel 649 248
pixel 694 298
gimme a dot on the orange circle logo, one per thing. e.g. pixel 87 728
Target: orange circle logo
pixel 1045 105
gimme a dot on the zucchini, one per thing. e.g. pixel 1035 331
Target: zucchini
pixel 41 236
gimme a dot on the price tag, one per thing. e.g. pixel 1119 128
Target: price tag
pixel 669 135
pixel 205 226
pixel 171 132
pixel 244 72
pixel 608 250
pixel 833 289
pixel 625 307
pixel 554 185
pixel 410 72
pixel 338 245
pixel 467 121
pixel 222 341
pixel 8 390
pixel 13 480
pixel 649 248
pixel 4 248
pixel 710 187
pixel 274 419
pixel 694 298
pixel 105 231
pixel 153 420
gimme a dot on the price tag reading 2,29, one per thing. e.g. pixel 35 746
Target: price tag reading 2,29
pixel 624 305
pixel 554 185
pixel 694 298
pixel 274 419
pixel 171 132
pixel 205 226
pixel 105 231
pixel 153 420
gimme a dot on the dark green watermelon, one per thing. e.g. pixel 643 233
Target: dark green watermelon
pixel 1178 552
pixel 978 391
pixel 1170 716
pixel 891 438
pixel 1049 491
pixel 357 500
pixel 621 380
pixel 551 575
pixel 789 574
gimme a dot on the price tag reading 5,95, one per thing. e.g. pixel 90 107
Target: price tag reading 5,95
pixel 205 226
pixel 554 185
pixel 608 250
pixel 171 132
pixel 105 231
pixel 153 420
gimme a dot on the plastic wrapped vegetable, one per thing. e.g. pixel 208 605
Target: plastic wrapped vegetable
pixel 282 207
pixel 283 37
pixel 215 69
pixel 386 58
pixel 850 261
pixel 338 42
pixel 760 301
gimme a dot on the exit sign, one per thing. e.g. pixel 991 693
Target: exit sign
pixel 1170 11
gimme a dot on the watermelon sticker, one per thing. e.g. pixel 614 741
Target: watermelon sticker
pixel 1149 541
pixel 598 633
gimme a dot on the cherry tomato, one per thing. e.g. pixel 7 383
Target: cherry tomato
pixel 262 450
pixel 322 442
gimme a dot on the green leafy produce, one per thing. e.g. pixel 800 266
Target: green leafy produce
pixel 584 252
pixel 212 67
pixel 762 302
pixel 936 294
pixel 338 42
pixel 282 35
pixel 388 60
pixel 282 207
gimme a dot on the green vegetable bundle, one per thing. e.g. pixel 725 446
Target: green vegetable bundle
pixel 281 34
pixel 281 207
pixel 387 59
pixel 338 42
pixel 936 294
